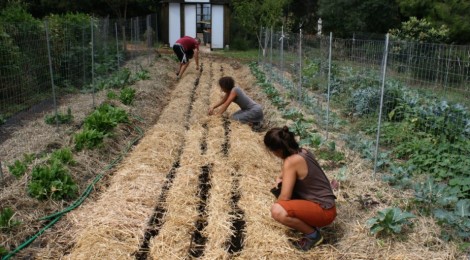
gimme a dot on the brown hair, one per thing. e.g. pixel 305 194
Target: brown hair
pixel 227 83
pixel 280 138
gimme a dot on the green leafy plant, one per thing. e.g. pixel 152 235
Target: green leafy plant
pixel 326 153
pixel 293 114
pixel 105 118
pixel 3 251
pixel 300 128
pixel 142 74
pixel 342 175
pixel 398 176
pixel 60 117
pixel 314 140
pixel 279 102
pixel 64 156
pixel 52 181
pixel 458 218
pixel 389 220
pixel 6 219
pixel 3 120
pixel 127 95
pixel 18 168
pixel 89 138
pixel 432 194
pixel 112 95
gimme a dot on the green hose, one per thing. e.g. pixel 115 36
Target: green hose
pixel 58 215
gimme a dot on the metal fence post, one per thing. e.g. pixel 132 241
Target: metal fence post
pixel 83 55
pixel 51 74
pixel 1 172
pixel 282 55
pixel 148 35
pixel 300 67
pixel 92 61
pixel 271 55
pixel 117 46
pixel 384 71
pixel 329 85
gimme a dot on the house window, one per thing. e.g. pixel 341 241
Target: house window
pixel 203 17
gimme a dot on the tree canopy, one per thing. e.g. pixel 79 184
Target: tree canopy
pixel 342 17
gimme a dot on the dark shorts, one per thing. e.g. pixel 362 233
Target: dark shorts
pixel 183 56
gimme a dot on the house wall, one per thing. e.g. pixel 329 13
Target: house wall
pixel 172 17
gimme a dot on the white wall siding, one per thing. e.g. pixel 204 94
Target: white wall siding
pixel 217 41
pixel 174 23
pixel 190 20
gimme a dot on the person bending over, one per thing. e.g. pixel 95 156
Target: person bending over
pixel 185 48
pixel 250 112
pixel 306 201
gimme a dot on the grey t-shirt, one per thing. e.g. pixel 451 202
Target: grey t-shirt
pixel 242 100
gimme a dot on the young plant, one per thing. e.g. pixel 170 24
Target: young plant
pixel 64 156
pixel 142 74
pixel 88 138
pixel 3 120
pixel 60 117
pixel 293 114
pixel 105 118
pixel 127 95
pixel 3 251
pixel 389 221
pixel 6 220
pixel 458 218
pixel 314 140
pixel 300 128
pixel 112 95
pixel 18 168
pixel 52 181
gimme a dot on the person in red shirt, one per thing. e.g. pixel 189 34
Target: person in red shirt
pixel 185 48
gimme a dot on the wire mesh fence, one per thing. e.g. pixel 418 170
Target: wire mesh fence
pixel 67 54
pixel 380 89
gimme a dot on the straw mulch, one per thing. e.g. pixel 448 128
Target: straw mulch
pixel 30 134
pixel 113 226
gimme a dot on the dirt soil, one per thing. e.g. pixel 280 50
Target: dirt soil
pixel 192 185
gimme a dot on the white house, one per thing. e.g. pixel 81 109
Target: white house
pixel 207 19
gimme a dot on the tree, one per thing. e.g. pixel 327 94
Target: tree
pixel 254 14
pixel 420 30
pixel 303 13
pixel 344 17
pixel 455 14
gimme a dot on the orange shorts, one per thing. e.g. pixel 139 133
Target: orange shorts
pixel 309 212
